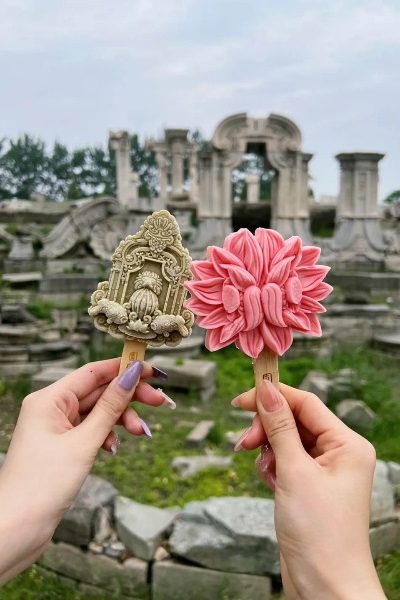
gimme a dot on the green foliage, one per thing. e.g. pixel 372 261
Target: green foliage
pixel 322 221
pixel 3 387
pixel 19 388
pixel 41 309
pixel 392 197
pixel 389 574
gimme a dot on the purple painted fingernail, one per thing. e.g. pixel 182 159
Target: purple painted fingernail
pixel 129 378
pixel 167 400
pixel 146 429
pixel 159 374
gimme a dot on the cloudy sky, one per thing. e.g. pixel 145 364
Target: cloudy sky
pixel 73 69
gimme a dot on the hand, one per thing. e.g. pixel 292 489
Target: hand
pixel 321 472
pixel 59 431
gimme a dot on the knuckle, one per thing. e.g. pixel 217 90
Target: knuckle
pixel 313 397
pixel 29 401
pixel 364 452
pixel 111 404
pixel 281 425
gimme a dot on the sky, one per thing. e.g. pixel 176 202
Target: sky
pixel 72 70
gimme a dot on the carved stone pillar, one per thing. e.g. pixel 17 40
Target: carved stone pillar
pixel 358 237
pixel 162 174
pixel 177 141
pixel 194 176
pixel 205 184
pixel 253 188
pixel 120 142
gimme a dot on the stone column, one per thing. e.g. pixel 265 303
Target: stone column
pixel 194 176
pixel 119 141
pixel 177 141
pixel 253 188
pixel 162 174
pixel 205 184
pixel 358 237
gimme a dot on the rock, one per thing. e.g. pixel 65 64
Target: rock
pixel 130 578
pixel 191 465
pixel 355 413
pixel 232 437
pixel 141 527
pixel 115 550
pixel 95 548
pixel 15 314
pixel 384 538
pixel 317 383
pixel 174 581
pixel 77 526
pixel 344 384
pixel 48 376
pixel 197 437
pixel 228 534
pixel 161 554
pixel 188 374
pixel 102 528
pixel 394 472
pixel 382 501
pixel 22 277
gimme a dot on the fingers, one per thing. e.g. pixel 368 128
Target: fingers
pixel 265 465
pixel 246 401
pixel 111 404
pixel 279 424
pixel 253 437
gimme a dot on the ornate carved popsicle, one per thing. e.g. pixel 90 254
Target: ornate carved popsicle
pixel 143 300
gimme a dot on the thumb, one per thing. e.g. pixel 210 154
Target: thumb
pixel 111 404
pixel 278 422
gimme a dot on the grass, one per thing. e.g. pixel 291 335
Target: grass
pixel 141 470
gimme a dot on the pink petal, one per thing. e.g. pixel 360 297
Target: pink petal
pixel 270 242
pixel 243 244
pixel 271 300
pixel 321 291
pixel 230 330
pixel 291 248
pixel 230 298
pixel 298 320
pixel 252 307
pixel 280 272
pixel 215 318
pixel 315 326
pixel 208 290
pixel 277 339
pixel 310 256
pixel 310 277
pixel 213 342
pixel 203 269
pixel 197 306
pixel 251 342
pixel 309 305
pixel 240 277
pixel 220 258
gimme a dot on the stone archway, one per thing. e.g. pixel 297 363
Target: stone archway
pixel 281 138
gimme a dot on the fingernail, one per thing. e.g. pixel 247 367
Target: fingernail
pixel 128 379
pixel 115 444
pixel 167 400
pixel 146 429
pixel 159 374
pixel 235 402
pixel 271 399
pixel 238 445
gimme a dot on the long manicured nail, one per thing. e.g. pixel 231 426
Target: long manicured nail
pixel 146 429
pixel 270 397
pixel 236 402
pixel 129 378
pixel 115 444
pixel 167 400
pixel 238 445
pixel 159 374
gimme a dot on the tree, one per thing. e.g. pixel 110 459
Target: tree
pixel 393 197
pixel 23 167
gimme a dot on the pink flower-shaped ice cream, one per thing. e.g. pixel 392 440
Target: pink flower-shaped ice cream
pixel 256 290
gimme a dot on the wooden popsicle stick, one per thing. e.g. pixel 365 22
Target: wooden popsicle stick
pixel 133 350
pixel 266 367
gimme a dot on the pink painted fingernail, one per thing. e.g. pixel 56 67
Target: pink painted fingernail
pixel 238 445
pixel 115 444
pixel 236 402
pixel 270 397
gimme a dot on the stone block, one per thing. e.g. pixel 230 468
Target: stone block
pixel 141 527
pixel 130 578
pixel 232 438
pixel 22 277
pixel 382 500
pixel 174 581
pixel 188 374
pixel 228 534
pixel 355 413
pixel 197 437
pixel 317 383
pixel 77 526
pixel 48 376
pixel 191 465
pixel 384 538
pixel 394 472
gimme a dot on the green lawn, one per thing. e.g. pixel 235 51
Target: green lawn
pixel 141 469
